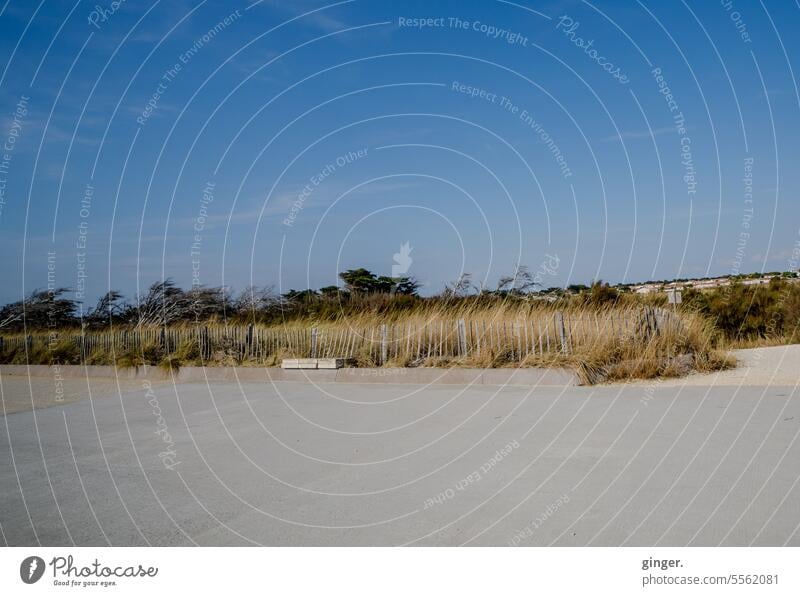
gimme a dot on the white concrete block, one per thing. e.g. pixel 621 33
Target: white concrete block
pixel 295 363
pixel 328 363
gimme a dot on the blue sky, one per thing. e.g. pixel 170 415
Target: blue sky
pixel 298 139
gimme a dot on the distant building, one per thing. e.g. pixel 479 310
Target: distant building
pixel 709 283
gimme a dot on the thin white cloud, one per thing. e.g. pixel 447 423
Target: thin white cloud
pixel 321 19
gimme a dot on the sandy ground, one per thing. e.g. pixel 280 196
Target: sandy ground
pixel 19 393
pixel 778 365
pixel 345 464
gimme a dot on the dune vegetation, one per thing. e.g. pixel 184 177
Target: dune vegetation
pixel 600 331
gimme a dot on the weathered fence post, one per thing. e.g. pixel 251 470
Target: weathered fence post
pixel 205 342
pixel 652 325
pixel 562 332
pixel 313 342
pixel 659 320
pixel 462 338
pixel 384 346
pixel 249 340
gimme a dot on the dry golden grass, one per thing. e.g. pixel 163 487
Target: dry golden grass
pixel 600 342
pixel 609 343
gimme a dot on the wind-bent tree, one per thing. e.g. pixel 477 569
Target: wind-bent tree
pixel 460 287
pixel 40 310
pixel 109 309
pixel 519 284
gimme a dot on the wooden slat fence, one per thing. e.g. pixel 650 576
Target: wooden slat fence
pixel 514 340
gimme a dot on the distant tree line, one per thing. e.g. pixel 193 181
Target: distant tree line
pixel 738 311
pixel 164 303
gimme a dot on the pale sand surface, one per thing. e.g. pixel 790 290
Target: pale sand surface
pixel 777 365
pixel 22 393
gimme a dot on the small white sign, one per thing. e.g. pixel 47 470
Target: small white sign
pixel 674 296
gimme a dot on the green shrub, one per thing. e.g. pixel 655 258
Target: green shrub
pixel 743 312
